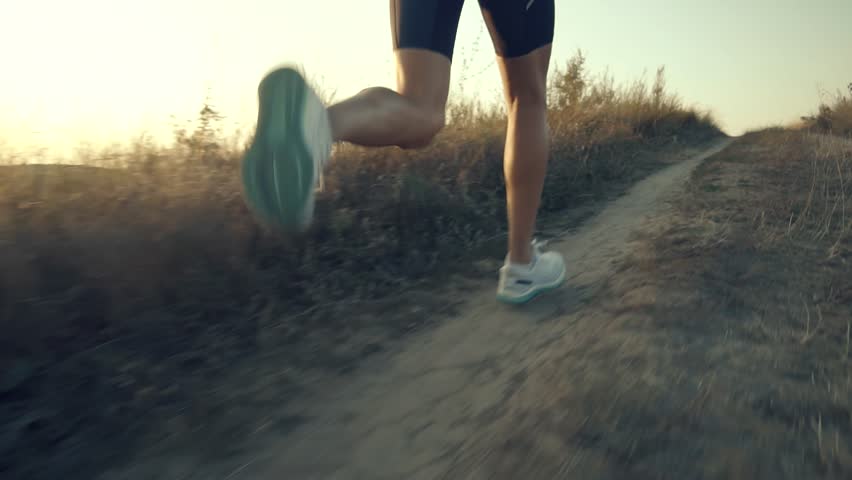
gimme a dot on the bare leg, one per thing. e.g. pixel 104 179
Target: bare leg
pixel 527 145
pixel 409 117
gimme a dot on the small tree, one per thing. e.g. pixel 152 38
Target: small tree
pixel 824 118
pixel 204 143
pixel 658 91
pixel 568 86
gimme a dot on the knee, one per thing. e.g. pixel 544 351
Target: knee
pixel 532 97
pixel 431 122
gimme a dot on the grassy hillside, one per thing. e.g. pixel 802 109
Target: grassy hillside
pixel 742 306
pixel 133 284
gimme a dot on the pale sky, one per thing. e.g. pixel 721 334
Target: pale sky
pixel 103 71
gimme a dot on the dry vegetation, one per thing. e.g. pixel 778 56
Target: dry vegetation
pixel 833 117
pixel 135 284
pixel 742 305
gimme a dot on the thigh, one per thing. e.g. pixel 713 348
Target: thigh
pixel 518 27
pixel 525 77
pixel 423 76
pixel 426 24
pixel 424 34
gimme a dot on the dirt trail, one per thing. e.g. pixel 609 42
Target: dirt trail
pixel 428 409
pixel 417 412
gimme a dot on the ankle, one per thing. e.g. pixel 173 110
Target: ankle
pixel 522 258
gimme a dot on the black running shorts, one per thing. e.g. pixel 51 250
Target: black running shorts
pixel 517 27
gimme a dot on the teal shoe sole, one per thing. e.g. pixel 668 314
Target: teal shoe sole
pixel 277 170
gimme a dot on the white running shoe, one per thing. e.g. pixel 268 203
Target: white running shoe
pixel 520 283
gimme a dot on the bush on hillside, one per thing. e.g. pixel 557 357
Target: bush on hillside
pixel 835 117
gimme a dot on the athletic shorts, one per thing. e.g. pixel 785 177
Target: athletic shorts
pixel 517 27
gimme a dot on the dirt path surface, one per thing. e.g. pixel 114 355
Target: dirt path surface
pixel 441 404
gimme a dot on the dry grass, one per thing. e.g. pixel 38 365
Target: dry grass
pixel 131 282
pixel 814 169
pixel 833 117
pixel 720 350
pixel 753 276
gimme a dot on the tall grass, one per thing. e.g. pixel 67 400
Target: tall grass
pixel 825 212
pixel 809 175
pixel 590 109
pixel 834 116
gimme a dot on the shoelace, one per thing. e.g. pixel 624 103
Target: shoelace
pixel 537 246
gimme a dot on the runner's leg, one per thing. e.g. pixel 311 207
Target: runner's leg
pixel 527 145
pixel 522 32
pixel 423 36
pixel 295 130
pixel 408 117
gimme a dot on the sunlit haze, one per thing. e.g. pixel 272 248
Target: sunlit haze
pixel 103 71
